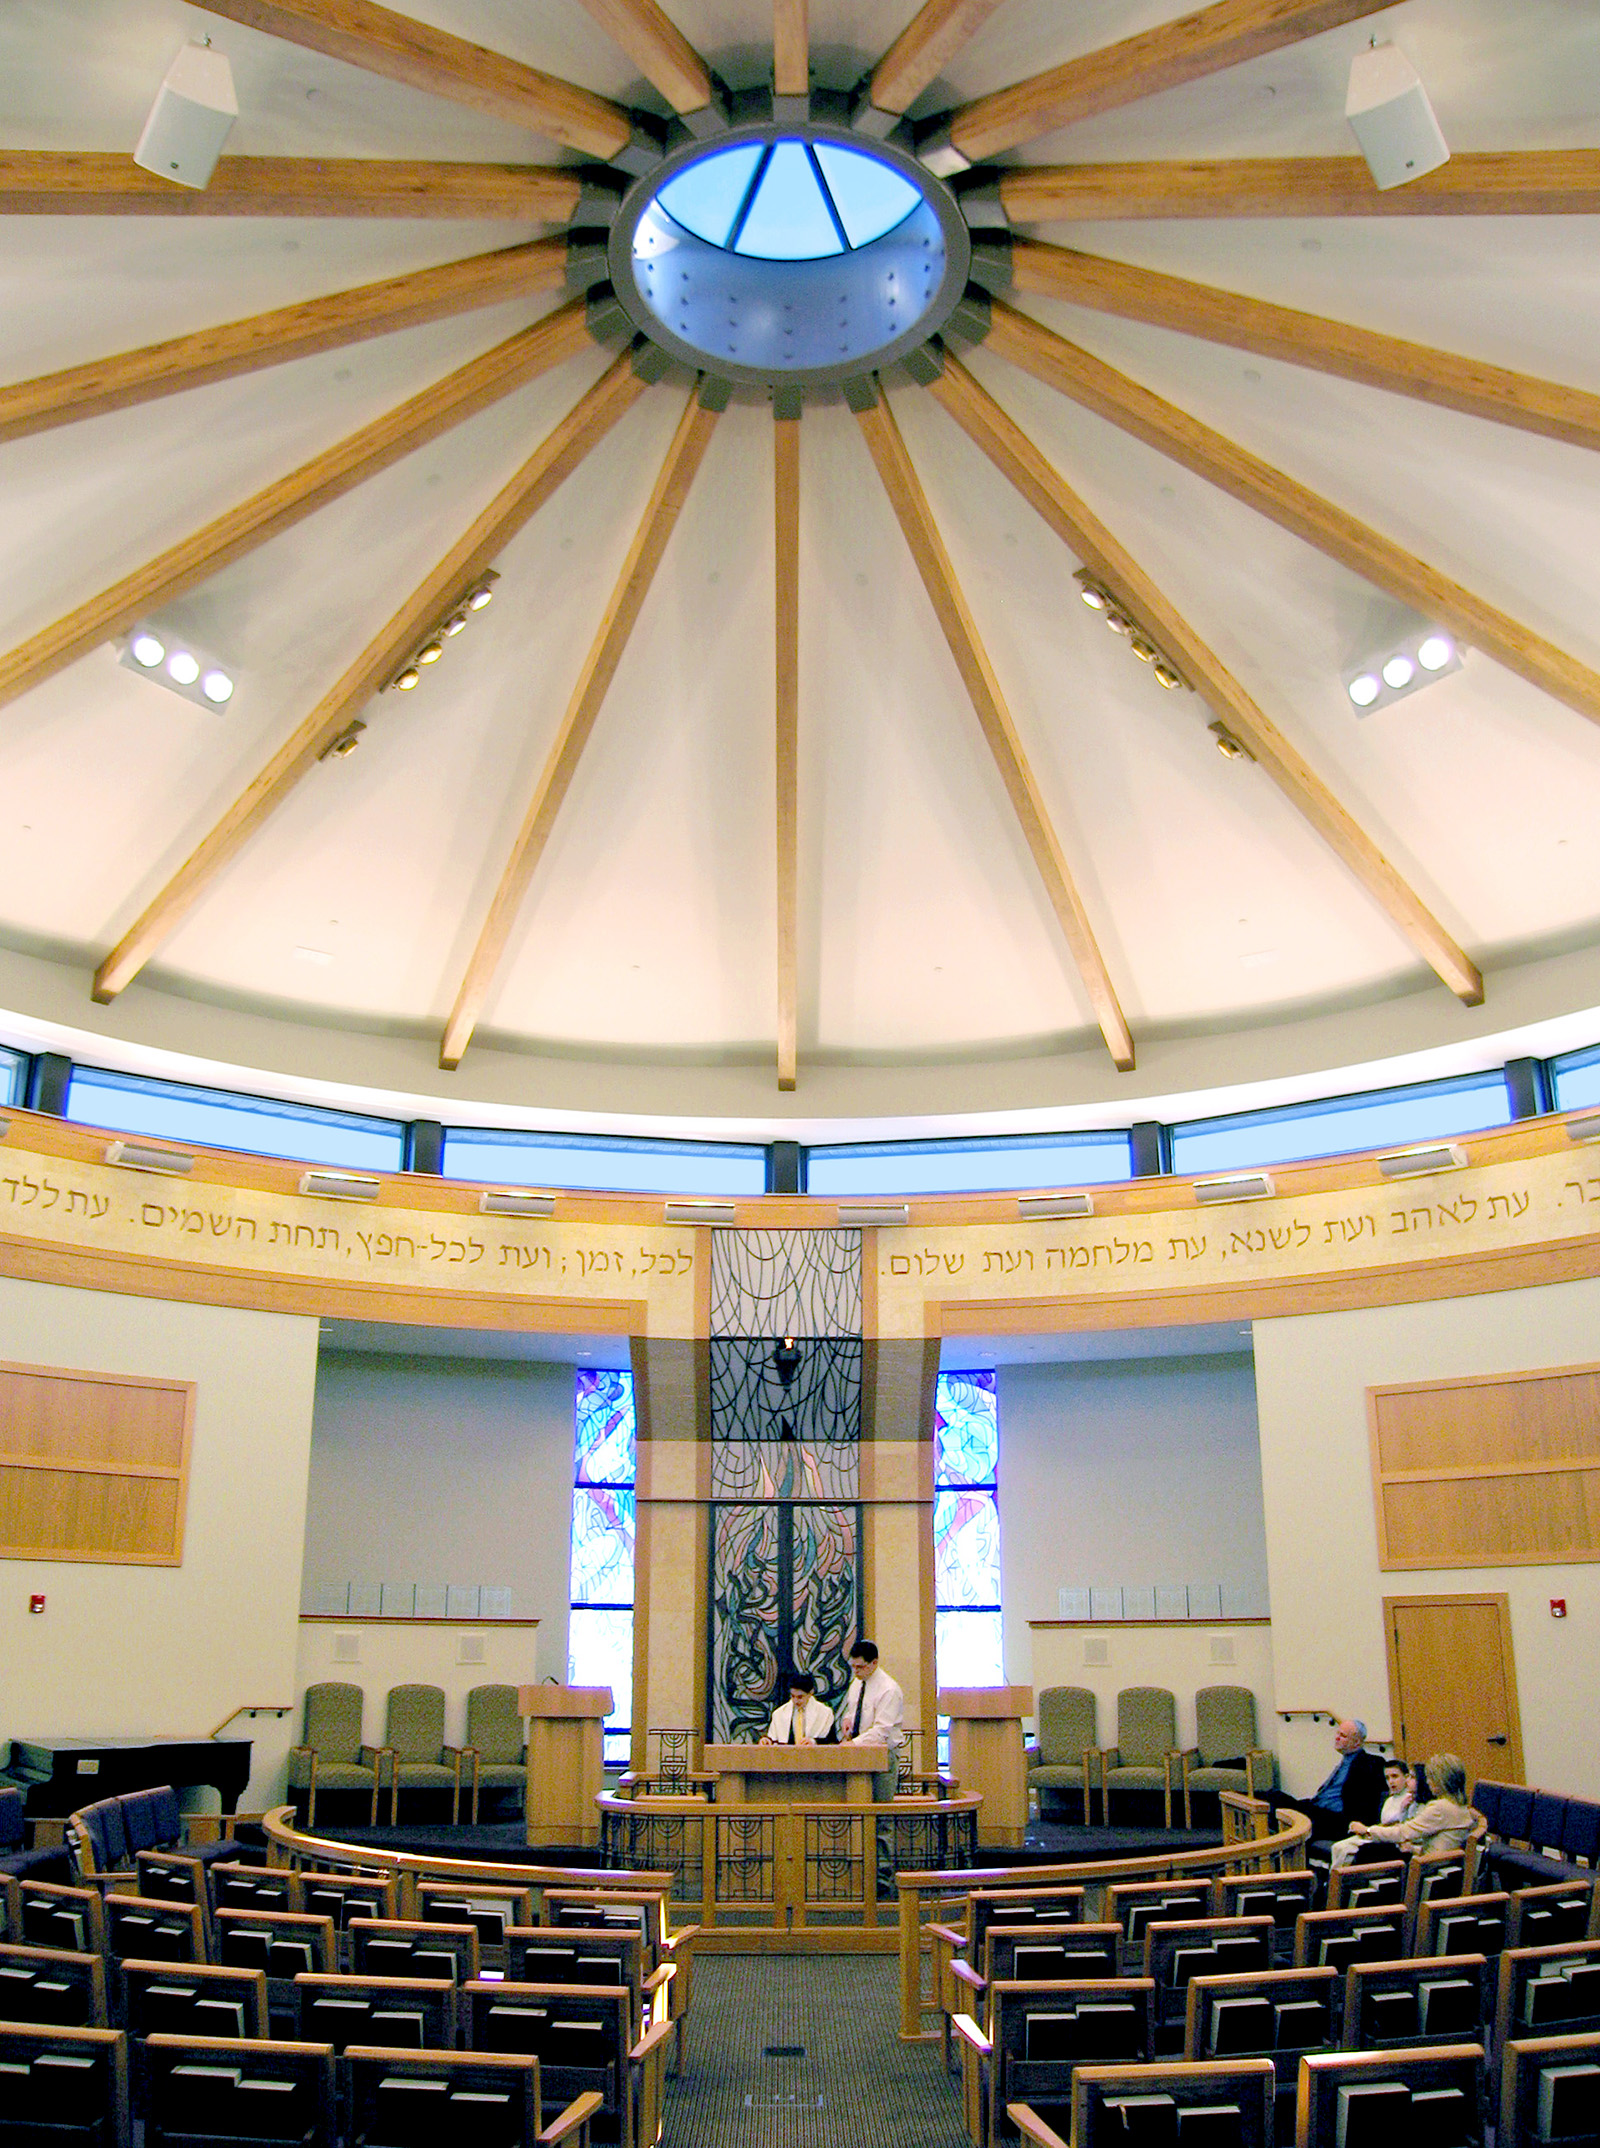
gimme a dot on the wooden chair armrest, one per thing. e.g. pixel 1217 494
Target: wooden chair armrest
pixel 1185 1757
pixel 659 1979
pixel 970 2034
pixel 374 1756
pixel 1032 2127
pixel 946 1932
pixel 684 1937
pixel 1109 1756
pixel 650 2041
pixel 574 2119
pixel 460 1752
pixel 964 1973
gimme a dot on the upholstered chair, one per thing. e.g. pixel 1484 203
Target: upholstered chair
pixel 1063 1758
pixel 1225 1730
pixel 419 1758
pixel 1145 1756
pixel 495 1756
pixel 331 1755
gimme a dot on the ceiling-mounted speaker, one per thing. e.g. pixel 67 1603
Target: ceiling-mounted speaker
pixel 192 117
pixel 1391 118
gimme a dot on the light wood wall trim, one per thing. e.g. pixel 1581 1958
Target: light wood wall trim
pixel 75 182
pixel 402 49
pixel 658 48
pixel 1242 323
pixel 1295 507
pixel 51 1420
pixel 1499 1601
pixel 1013 453
pixel 584 426
pixel 471 388
pixel 1186 50
pixel 791 48
pixel 925 48
pixel 786 530
pixel 960 631
pixel 1502 1506
pixel 1110 1625
pixel 289 332
pixel 478 1625
pixel 1525 182
pixel 677 475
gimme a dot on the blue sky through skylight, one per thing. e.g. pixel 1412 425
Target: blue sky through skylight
pixel 787 202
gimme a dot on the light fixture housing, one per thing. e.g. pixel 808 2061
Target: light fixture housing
pixel 138 1156
pixel 1584 1126
pixel 430 643
pixel 151 651
pixel 1419 1162
pixel 1393 670
pixel 340 1185
pixel 712 1213
pixel 515 1201
pixel 869 1215
pixel 1238 1186
pixel 1049 1207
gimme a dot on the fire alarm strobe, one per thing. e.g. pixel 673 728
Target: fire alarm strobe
pixel 1558 1607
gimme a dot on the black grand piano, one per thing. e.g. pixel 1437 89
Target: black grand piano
pixel 57 1775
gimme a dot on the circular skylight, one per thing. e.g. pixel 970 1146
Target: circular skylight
pixel 789 200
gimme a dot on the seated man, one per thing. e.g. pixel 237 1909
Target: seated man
pixel 802 1719
pixel 1352 1790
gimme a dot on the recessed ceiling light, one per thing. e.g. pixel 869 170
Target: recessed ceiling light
pixel 183 667
pixel 217 686
pixel 1399 671
pixel 312 954
pixel 1436 652
pixel 147 650
pixel 1364 690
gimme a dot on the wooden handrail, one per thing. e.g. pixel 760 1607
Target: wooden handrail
pixel 278 1826
pixel 250 1707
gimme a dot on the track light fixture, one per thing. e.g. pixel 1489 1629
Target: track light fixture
pixel 1412 661
pixel 345 742
pixel 1123 622
pixel 174 661
pixel 445 628
pixel 1231 748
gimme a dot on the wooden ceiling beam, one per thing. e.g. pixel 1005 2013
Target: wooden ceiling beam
pixel 1517 182
pixel 921 532
pixel 683 459
pixel 584 426
pixel 432 600
pixel 924 49
pixel 1293 506
pixel 268 339
pixel 78 182
pixel 1309 339
pixel 1223 35
pixel 381 42
pixel 658 48
pixel 786 532
pixel 472 387
pixel 791 48
pixel 1047 492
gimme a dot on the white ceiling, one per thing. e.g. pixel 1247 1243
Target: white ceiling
pixel 926 942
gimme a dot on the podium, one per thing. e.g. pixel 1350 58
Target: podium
pixel 566 1761
pixel 986 1756
pixel 794 1774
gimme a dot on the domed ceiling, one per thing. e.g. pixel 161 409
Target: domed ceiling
pixel 788 742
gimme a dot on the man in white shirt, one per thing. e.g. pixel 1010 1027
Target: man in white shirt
pixel 872 1713
pixel 802 1719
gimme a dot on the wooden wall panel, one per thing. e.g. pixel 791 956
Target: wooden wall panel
pixel 1502 1471
pixel 93 1467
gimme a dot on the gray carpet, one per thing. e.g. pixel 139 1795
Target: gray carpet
pixel 856 2085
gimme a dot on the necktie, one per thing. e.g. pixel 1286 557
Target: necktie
pixel 793 1740
pixel 855 1720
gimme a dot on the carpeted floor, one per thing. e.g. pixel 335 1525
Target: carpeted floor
pixel 853 2083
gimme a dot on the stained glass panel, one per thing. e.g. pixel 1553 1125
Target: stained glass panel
pixel 967 1648
pixel 824 1590
pixel 602 1545
pixel 744 1621
pixel 966 1549
pixel 605 1428
pixel 600 1653
pixel 966 1429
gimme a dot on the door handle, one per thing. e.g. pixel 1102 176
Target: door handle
pixel 1495 1737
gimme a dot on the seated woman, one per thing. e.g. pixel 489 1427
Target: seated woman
pixel 1400 1801
pixel 1445 1822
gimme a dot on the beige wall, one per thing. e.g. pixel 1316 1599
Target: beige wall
pixel 1327 1590
pixel 143 1651
pixel 446 1470
pixel 414 1655
pixel 1181 1658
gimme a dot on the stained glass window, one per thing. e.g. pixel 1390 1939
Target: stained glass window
pixel 600 1619
pixel 966 1531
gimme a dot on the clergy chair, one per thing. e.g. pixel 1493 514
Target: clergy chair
pixel 1225 1754
pixel 1062 1759
pixel 330 1755
pixel 1145 1756
pixel 495 1756
pixel 418 1758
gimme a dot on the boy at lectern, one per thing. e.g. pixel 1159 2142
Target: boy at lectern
pixel 802 1719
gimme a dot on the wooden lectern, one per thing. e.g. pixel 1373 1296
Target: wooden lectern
pixel 986 1756
pixel 794 1774
pixel 566 1761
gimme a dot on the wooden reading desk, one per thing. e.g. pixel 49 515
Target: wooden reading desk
pixel 794 1774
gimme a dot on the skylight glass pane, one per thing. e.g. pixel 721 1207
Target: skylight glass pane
pixel 13 1075
pixel 789 220
pixel 1577 1080
pixel 705 197
pixel 260 1126
pixel 1384 1118
pixel 511 1159
pixel 870 196
pixel 997 1166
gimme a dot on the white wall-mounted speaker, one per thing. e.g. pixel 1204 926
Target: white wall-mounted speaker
pixel 192 117
pixel 1391 118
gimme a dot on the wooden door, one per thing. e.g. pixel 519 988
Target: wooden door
pixel 1452 1682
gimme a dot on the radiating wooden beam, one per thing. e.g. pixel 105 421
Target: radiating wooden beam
pixel 81 182
pixel 587 423
pixel 915 516
pixel 1224 35
pixel 1309 339
pixel 1517 182
pixel 472 387
pixel 404 50
pixel 683 459
pixel 786 531
pixel 1293 506
pixel 267 339
pixel 1043 487
pixel 791 48
pixel 658 48
pixel 924 49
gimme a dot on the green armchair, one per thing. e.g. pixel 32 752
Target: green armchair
pixel 1146 1755
pixel 419 1759
pixel 1063 1758
pixel 495 1756
pixel 330 1755
pixel 1225 1731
